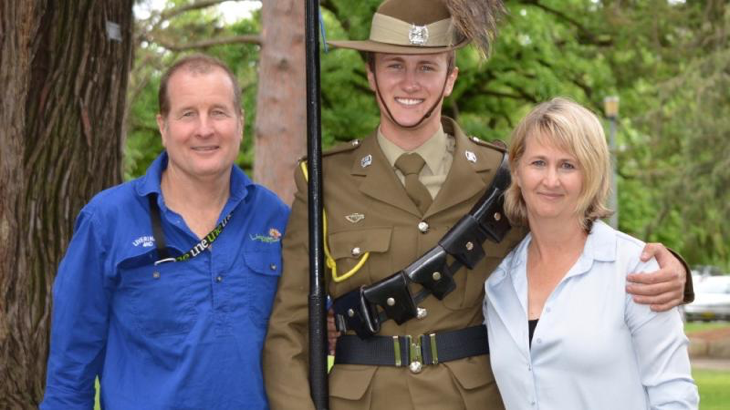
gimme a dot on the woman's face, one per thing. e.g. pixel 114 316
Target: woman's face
pixel 550 179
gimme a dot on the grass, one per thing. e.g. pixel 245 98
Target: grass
pixel 691 327
pixel 714 386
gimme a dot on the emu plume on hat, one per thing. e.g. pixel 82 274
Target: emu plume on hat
pixel 430 26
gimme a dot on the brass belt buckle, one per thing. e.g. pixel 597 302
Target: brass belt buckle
pixel 415 354
pixel 415 359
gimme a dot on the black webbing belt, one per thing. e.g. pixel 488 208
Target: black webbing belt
pixel 412 351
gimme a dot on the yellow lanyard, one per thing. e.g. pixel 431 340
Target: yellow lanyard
pixel 329 260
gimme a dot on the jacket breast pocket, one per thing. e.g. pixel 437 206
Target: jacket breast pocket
pixel 260 278
pixel 158 296
pixel 348 248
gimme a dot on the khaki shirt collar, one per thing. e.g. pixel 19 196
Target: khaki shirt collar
pixel 432 151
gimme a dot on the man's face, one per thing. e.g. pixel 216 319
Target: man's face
pixel 411 84
pixel 202 132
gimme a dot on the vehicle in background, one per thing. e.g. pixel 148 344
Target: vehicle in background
pixel 712 299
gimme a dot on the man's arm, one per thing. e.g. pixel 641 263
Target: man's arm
pixel 80 322
pixel 285 358
pixel 666 288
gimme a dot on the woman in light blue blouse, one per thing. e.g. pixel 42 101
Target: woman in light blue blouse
pixel 563 332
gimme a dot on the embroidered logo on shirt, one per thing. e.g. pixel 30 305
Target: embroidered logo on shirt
pixel 145 241
pixel 273 237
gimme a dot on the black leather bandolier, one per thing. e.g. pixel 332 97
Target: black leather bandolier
pixel 364 309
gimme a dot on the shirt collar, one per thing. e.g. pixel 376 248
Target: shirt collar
pixel 601 242
pixel 432 151
pixel 600 246
pixel 149 183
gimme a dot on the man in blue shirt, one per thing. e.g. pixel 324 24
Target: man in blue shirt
pixel 164 318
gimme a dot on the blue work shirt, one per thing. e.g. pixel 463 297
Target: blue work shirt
pixel 180 335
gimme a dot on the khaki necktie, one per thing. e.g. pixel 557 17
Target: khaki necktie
pixel 410 165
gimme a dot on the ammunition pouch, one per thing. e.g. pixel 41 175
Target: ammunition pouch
pixel 432 272
pixel 364 309
pixel 394 296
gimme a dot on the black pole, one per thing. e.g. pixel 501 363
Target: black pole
pixel 317 295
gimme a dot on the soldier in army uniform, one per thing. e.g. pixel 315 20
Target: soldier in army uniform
pixel 389 199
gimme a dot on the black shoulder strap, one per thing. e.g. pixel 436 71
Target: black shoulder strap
pixel 363 309
pixel 157 228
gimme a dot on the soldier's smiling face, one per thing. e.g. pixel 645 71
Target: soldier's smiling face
pixel 410 85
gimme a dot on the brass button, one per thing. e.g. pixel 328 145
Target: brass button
pixel 350 312
pixel 421 313
pixel 356 251
pixel 436 276
pixel 469 246
pixel 390 302
pixel 423 226
pixel 497 216
pixel 416 367
pixel 156 275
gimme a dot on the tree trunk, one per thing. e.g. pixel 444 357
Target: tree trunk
pixel 281 111
pixel 63 69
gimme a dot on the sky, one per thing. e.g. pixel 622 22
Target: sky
pixel 231 11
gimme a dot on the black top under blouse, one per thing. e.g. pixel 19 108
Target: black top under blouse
pixel 531 325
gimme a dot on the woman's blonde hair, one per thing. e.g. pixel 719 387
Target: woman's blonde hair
pixel 574 129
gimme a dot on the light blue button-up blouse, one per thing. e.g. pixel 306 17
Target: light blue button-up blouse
pixel 594 347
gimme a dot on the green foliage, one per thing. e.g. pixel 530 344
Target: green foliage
pixel 675 145
pixel 667 60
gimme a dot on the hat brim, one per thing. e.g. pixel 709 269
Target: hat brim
pixel 376 47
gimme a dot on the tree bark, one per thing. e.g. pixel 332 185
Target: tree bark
pixel 63 68
pixel 281 111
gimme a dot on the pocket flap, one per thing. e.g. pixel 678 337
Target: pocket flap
pixel 471 372
pixel 368 240
pixel 350 381
pixel 266 262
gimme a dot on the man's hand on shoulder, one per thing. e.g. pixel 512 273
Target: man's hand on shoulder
pixel 663 289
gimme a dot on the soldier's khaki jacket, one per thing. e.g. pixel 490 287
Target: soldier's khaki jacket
pixel 354 184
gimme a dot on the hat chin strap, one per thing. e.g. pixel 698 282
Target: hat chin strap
pixel 425 116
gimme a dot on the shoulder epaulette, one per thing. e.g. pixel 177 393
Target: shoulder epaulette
pixel 339 148
pixel 499 145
